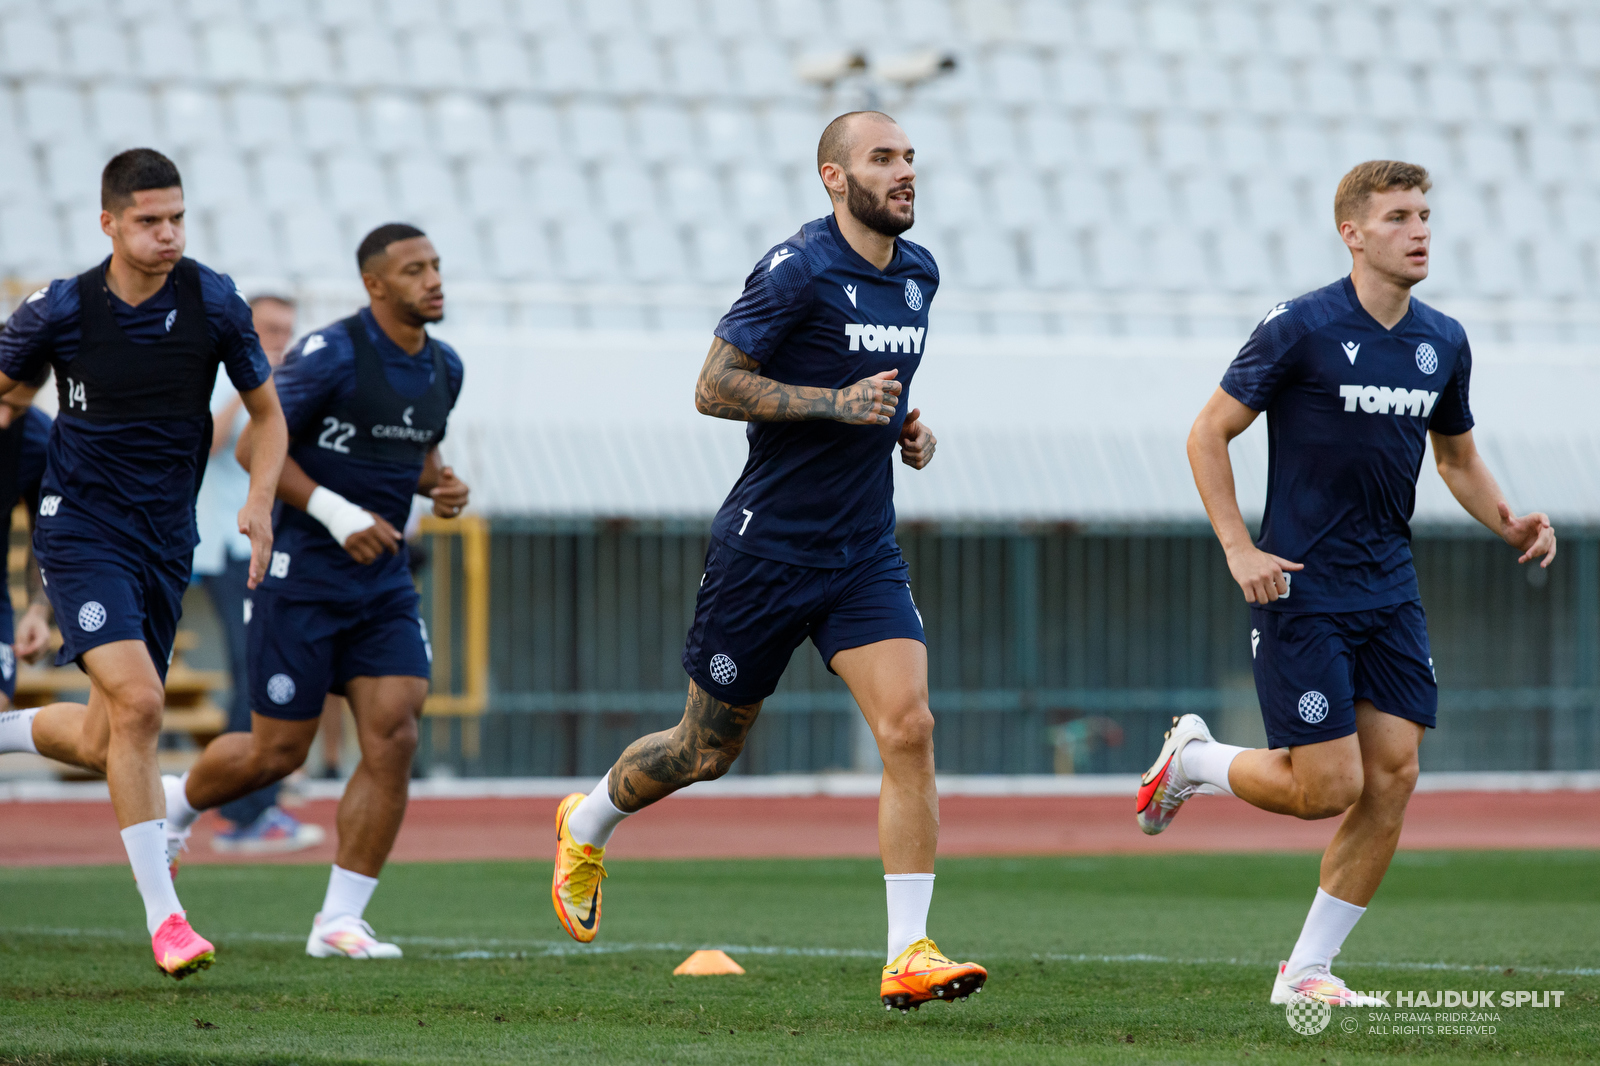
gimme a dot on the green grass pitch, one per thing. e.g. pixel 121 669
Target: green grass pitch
pixel 1124 960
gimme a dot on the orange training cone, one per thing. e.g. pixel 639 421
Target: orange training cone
pixel 707 963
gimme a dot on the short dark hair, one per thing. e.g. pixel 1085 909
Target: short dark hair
pixel 271 298
pixel 836 141
pixel 377 242
pixel 133 171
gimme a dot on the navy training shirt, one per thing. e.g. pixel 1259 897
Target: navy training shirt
pixel 813 312
pixel 1349 405
pixel 318 373
pixel 106 468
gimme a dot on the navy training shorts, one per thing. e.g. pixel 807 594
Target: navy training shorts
pixel 1312 668
pixel 8 653
pixel 301 650
pixel 752 613
pixel 102 593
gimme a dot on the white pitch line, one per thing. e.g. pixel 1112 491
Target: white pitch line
pixel 501 948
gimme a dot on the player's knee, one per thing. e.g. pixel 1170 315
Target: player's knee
pixel 908 732
pixel 1329 799
pixel 1395 780
pixel 276 761
pixel 714 756
pixel 135 707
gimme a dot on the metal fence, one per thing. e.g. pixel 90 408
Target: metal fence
pixel 1052 649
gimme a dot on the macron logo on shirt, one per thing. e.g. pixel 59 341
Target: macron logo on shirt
pixel 777 257
pixel 313 342
pixel 1382 400
pixel 877 338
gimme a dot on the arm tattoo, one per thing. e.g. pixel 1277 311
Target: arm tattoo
pixel 731 386
pixel 699 748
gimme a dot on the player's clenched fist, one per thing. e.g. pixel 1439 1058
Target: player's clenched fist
pixel 449 495
pixel 870 401
pixel 369 544
pixel 916 441
pixel 1262 576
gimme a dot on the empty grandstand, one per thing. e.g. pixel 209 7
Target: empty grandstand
pixel 1099 167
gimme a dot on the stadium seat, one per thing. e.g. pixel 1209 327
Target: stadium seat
pixel 286 180
pixel 1296 32
pixel 692 193
pixel 216 177
pixel 302 55
pixel 1055 257
pixel 86 242
pixel 1421 29
pixel 728 134
pixel 1268 88
pixel 1178 260
pixel 356 183
pixel 1016 75
pixel 72 174
pixel 434 59
pixel 1357 34
pixel 930 131
pixel 1538 41
pixel 1425 144
pixel 261 119
pixel 655 253
pixel 1559 272
pixel 626 192
pixel 952 196
pixel 1237 30
pixel 1478 42
pixel 424 184
pixel 1524 212
pixel 1115 142
pixel 494 187
pixel 760 69
pixel 97 49
pixel 588 250
pixel 1306 150
pixel 395 122
pixel 1207 86
pixel 633 64
pixel 31 46
pixel 1269 203
pixel 328 121
pixel 233 53
pixel 1047 21
pixel 124 116
pixel 989 258
pixel 245 244
pixel 462 125
pixel 1489 154
pixel 596 131
pixel 793 132
pixel 558 190
pixel 734 18
pixel 369 58
pixel 1496 267
pixel 568 63
pixel 1208 202
pixel 1512 98
pixel 1244 265
pixel 344 14
pixel 1081 80
pixel 30 236
pixel 52 112
pixel 761 194
pixel 1083 199
pixel 798 21
pixel 1174 28
pixel 499 61
pixel 1552 155
pixel 1330 90
pixel 413 15
pixel 990 136
pixel 530 128
pixel 700 69
pixel 1244 145
pixel 1392 93
pixel 1451 96
pixel 1147 199
pixel 166 48
pixel 313 245
pixel 722 254
pixel 1144 82
pixel 1020 199
pixel 673 18
pixel 1572 99
pixel 518 248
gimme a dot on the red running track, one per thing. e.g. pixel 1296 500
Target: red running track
pixel 65 833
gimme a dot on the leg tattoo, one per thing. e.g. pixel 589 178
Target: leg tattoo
pixel 699 748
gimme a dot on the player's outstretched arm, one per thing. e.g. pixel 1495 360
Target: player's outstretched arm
pixel 731 386
pixel 1475 488
pixel 440 484
pixel 271 443
pixel 1259 574
pixel 917 441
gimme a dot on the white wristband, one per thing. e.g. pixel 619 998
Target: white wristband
pixel 343 518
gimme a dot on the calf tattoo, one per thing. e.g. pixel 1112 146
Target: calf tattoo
pixel 699 748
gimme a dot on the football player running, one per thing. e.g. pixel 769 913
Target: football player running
pixel 1355 378
pixel 818 356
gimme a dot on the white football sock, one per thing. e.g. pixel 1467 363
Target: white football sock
pixel 180 815
pixel 909 897
pixel 1206 762
pixel 147 854
pixel 595 818
pixel 16 731
pixel 1329 922
pixel 348 893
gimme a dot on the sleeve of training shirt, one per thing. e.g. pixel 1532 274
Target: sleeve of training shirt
pixel 776 294
pixel 229 321
pixel 25 341
pixel 1263 365
pixel 1452 414
pixel 309 382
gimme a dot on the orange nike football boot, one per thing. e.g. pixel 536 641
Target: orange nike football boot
pixel 921 973
pixel 575 887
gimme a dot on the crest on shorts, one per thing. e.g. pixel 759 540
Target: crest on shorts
pixel 1313 707
pixel 280 689
pixel 723 670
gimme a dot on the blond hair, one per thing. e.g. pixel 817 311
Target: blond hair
pixel 1375 175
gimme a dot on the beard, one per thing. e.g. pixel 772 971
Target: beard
pixel 416 316
pixel 875 214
